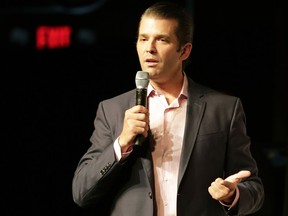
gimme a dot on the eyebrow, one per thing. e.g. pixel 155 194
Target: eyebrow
pixel 156 36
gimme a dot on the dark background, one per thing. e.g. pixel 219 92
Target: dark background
pixel 49 97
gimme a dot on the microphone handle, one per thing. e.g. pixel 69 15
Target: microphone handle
pixel 141 96
pixel 141 99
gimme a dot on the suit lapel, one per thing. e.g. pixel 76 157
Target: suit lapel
pixel 143 153
pixel 195 111
pixel 148 165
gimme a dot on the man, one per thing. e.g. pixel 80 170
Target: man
pixel 196 157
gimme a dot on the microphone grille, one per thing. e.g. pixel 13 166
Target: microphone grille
pixel 142 79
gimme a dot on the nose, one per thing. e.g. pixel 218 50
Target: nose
pixel 150 47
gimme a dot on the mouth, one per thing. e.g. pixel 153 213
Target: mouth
pixel 151 62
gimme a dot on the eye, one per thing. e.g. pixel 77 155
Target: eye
pixel 142 39
pixel 163 40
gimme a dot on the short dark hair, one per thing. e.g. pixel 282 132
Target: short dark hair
pixel 172 10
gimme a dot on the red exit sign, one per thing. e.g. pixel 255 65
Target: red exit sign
pixel 53 37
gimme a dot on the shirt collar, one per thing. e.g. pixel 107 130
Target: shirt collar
pixel 184 90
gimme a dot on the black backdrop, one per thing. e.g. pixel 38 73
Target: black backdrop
pixel 49 97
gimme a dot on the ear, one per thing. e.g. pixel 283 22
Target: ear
pixel 185 51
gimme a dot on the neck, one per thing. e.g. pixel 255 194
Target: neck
pixel 171 88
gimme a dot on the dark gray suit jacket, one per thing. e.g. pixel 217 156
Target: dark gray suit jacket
pixel 215 145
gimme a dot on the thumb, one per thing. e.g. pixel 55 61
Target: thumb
pixel 236 178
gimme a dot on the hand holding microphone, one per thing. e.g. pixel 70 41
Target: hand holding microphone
pixel 136 120
pixel 142 81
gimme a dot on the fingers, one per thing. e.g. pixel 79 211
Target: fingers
pixel 136 121
pixel 236 178
pixel 224 190
pixel 219 190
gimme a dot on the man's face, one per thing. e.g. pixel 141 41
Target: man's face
pixel 157 48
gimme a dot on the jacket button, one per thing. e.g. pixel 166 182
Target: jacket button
pixel 150 195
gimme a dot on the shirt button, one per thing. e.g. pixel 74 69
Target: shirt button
pixel 150 195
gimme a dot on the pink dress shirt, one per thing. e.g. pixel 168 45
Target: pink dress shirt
pixel 167 123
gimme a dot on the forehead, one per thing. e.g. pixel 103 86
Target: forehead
pixel 156 25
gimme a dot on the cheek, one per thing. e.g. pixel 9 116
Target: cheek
pixel 139 50
pixel 171 57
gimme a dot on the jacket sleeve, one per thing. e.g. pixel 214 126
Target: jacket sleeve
pixel 239 155
pixel 95 177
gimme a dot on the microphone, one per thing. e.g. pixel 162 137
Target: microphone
pixel 142 81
